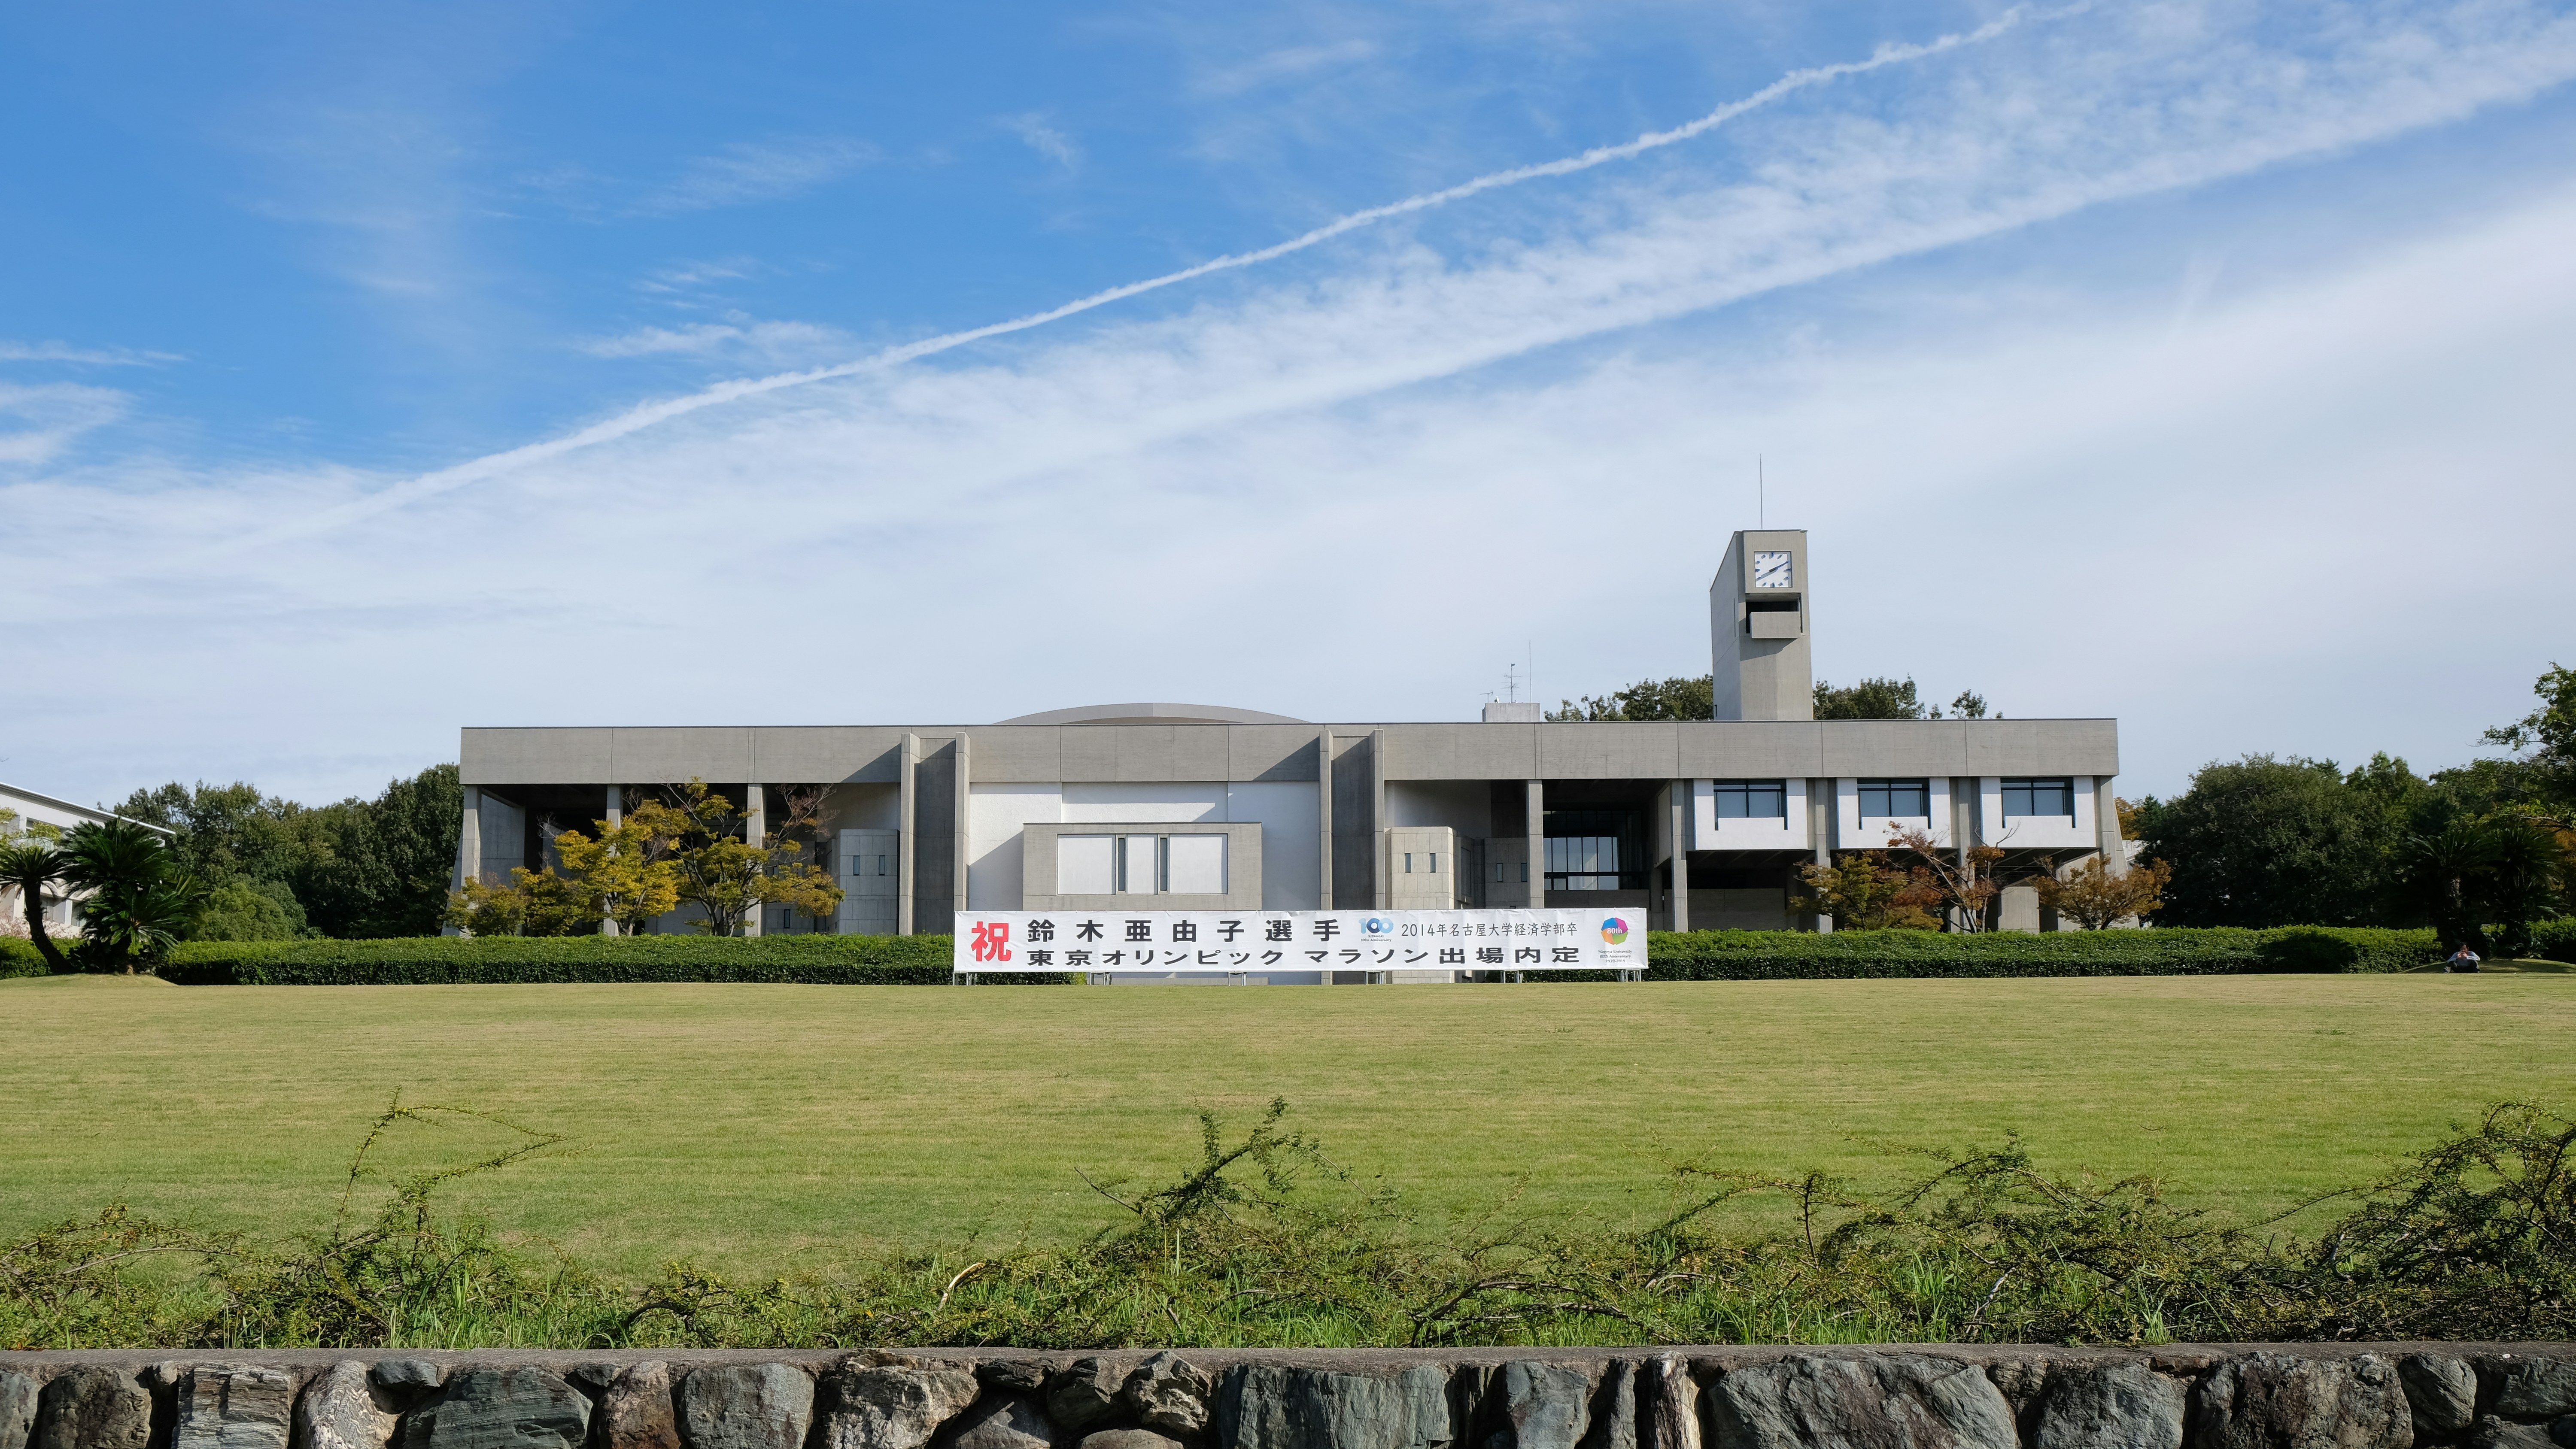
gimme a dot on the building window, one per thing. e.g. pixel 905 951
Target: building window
pixel 1902 799
pixel 1583 863
pixel 2027 795
pixel 1600 849
pixel 1102 865
pixel 1753 800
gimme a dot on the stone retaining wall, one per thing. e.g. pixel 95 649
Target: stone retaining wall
pixel 2386 1396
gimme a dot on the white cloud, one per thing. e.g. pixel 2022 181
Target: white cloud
pixel 83 356
pixel 37 423
pixel 749 171
pixel 1046 139
pixel 1322 496
pixel 1286 63
pixel 742 337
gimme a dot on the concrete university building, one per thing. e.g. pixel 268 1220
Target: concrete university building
pixel 1696 824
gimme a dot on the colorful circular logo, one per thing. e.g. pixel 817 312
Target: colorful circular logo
pixel 1615 931
pixel 1377 926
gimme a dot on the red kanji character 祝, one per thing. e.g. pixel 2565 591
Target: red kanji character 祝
pixel 992 941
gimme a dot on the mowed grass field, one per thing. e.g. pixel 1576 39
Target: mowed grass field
pixel 765 1129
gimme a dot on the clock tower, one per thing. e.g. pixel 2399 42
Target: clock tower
pixel 1760 664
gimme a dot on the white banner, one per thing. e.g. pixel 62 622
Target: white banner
pixel 1252 941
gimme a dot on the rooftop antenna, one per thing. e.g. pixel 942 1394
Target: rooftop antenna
pixel 1511 681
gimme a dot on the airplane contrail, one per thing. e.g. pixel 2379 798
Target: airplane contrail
pixel 639 418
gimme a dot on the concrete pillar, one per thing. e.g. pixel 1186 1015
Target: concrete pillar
pixel 2106 826
pixel 958 841
pixel 1681 823
pixel 755 829
pixel 1823 820
pixel 469 847
pixel 907 824
pixel 1324 814
pixel 615 815
pixel 1377 818
pixel 1534 806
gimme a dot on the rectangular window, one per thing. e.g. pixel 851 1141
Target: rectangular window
pixel 1195 865
pixel 1753 800
pixel 1435 862
pixel 1408 862
pixel 2028 795
pixel 1140 864
pixel 1583 863
pixel 1903 799
pixel 1086 865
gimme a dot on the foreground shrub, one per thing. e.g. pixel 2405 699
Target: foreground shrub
pixel 442 960
pixel 1264 1243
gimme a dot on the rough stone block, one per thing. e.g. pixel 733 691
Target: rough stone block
pixel 1672 1404
pixel 501 1408
pixel 1012 1376
pixel 635 1410
pixel 1272 1406
pixel 746 1406
pixel 343 1409
pixel 1882 1401
pixel 1128 1439
pixel 17 1408
pixel 2536 1389
pixel 1084 1393
pixel 233 1406
pixel 2441 1391
pixel 2276 1401
pixel 1542 1406
pixel 2109 1406
pixel 1614 1409
pixel 2495 1433
pixel 889 1405
pixel 1168 1394
pixel 91 1406
pixel 408 1375
pixel 1013 1422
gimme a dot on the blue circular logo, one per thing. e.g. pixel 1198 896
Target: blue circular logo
pixel 1377 926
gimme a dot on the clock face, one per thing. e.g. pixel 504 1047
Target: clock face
pixel 1771 570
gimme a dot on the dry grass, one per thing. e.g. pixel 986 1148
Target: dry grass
pixel 767 1127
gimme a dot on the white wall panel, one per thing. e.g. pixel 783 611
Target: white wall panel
pixel 1291 817
pixel 994 815
pixel 1708 832
pixel 1143 802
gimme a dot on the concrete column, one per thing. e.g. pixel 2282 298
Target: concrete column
pixel 1324 814
pixel 615 815
pixel 755 829
pixel 907 825
pixel 2106 826
pixel 1534 807
pixel 958 841
pixel 1822 822
pixel 1681 818
pixel 1377 818
pixel 469 847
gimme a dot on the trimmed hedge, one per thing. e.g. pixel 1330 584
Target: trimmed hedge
pixel 443 960
pixel 923 960
pixel 19 958
pixel 2211 951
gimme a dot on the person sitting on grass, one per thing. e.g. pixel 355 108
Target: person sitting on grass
pixel 2461 959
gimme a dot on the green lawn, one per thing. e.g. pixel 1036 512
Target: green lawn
pixel 765 1126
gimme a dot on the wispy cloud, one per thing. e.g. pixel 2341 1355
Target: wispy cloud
pixel 1308 424
pixel 741 336
pixel 1046 139
pixel 1287 63
pixel 84 356
pixel 749 171
pixel 37 423
pixel 689 276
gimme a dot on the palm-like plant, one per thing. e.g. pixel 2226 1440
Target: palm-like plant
pixel 31 866
pixel 141 900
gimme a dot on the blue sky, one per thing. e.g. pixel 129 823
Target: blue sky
pixel 370 371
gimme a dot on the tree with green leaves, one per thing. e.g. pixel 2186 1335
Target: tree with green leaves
pixel 2546 738
pixel 1680 697
pixel 354 868
pixel 138 898
pixel 1889 699
pixel 2267 842
pixel 29 866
